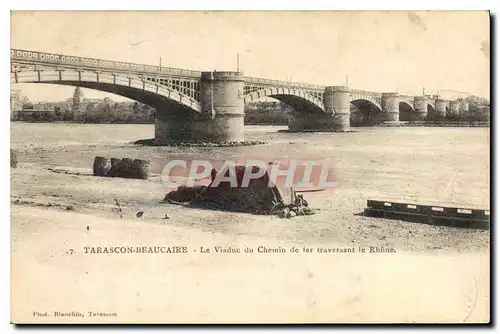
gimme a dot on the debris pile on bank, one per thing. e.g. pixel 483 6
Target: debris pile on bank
pixel 125 168
pixel 257 198
pixel 299 207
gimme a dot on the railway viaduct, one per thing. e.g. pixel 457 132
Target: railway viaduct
pixel 209 106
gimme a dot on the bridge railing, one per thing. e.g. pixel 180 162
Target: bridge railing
pixel 405 97
pixel 282 83
pixel 365 93
pixel 64 60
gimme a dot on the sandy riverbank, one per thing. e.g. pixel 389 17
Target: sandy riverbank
pixel 435 274
pixel 259 287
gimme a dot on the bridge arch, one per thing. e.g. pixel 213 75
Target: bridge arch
pixel 132 87
pixel 405 111
pixel 431 111
pixel 365 112
pixel 299 100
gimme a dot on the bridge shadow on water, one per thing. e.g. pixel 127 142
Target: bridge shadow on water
pixel 194 143
pixel 316 131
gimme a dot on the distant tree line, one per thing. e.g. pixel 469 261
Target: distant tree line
pixel 106 111
pixel 479 111
pixel 266 113
pixel 276 112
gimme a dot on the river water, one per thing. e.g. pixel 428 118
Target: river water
pixel 445 164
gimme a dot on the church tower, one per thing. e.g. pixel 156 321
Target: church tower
pixel 77 98
pixel 77 104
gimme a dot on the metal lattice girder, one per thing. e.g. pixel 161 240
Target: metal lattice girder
pixel 184 81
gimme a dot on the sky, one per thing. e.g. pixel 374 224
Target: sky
pixel 376 51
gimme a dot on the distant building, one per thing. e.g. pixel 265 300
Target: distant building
pixel 15 100
pixel 77 98
pixel 79 109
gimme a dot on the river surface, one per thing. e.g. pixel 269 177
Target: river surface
pixel 429 164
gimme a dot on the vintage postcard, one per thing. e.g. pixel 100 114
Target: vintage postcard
pixel 250 167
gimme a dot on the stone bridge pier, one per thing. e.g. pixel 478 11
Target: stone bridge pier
pixel 221 117
pixel 463 108
pixel 173 125
pixel 335 117
pixel 390 107
pixel 455 108
pixel 440 109
pixel 337 103
pixel 420 113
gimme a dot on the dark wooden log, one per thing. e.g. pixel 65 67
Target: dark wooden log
pixel 102 165
pixel 115 167
pixel 141 168
pixel 128 168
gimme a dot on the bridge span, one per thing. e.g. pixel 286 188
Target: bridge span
pixel 209 106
